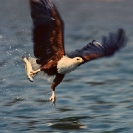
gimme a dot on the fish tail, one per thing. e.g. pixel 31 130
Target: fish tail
pixel 24 59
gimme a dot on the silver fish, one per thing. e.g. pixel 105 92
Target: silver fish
pixel 28 69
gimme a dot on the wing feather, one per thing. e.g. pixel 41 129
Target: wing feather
pixel 48 28
pixel 95 50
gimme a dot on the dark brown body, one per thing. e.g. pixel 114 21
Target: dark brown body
pixel 51 69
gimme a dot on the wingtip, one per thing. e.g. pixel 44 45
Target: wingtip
pixel 122 36
pixel 120 32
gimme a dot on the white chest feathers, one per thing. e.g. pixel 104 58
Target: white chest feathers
pixel 66 64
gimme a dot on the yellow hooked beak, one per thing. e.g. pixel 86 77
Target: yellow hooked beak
pixel 80 60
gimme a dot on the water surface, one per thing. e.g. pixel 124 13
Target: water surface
pixel 96 98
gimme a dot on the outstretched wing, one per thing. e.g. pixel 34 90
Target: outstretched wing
pixel 95 50
pixel 48 30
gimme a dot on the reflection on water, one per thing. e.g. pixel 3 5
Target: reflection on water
pixel 98 97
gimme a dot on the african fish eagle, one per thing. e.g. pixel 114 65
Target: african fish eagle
pixel 48 39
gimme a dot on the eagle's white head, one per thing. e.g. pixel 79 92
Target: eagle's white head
pixel 66 64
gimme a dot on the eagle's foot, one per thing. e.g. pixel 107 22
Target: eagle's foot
pixel 32 72
pixel 35 72
pixel 53 97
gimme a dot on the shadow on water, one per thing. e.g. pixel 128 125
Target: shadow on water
pixel 69 123
pixel 65 124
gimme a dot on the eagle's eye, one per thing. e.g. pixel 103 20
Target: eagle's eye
pixel 79 60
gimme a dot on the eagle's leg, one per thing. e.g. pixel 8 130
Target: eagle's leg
pixel 45 67
pixel 57 80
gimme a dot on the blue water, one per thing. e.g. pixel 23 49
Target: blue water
pixel 95 98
